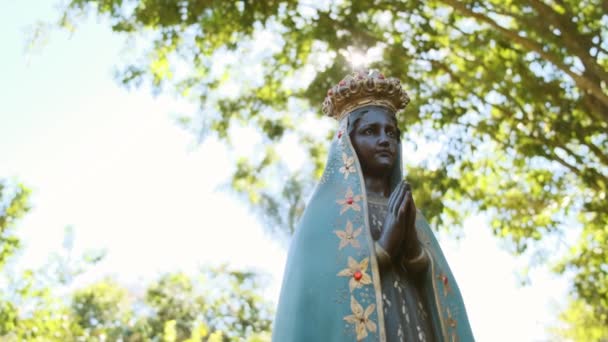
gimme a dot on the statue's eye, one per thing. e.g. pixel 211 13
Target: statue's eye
pixel 393 133
pixel 368 131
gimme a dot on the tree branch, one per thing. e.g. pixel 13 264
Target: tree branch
pixel 580 44
pixel 600 48
pixel 581 81
pixel 602 156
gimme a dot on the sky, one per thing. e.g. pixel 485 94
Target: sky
pixel 111 163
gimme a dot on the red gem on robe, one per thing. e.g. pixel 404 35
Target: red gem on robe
pixel 357 275
pixel 445 280
pixel 349 200
pixel 339 134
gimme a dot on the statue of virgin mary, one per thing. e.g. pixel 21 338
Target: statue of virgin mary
pixel 364 264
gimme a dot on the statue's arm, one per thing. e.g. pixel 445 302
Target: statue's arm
pixel 414 256
pixel 382 256
pixel 417 263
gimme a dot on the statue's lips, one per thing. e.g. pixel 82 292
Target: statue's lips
pixel 385 154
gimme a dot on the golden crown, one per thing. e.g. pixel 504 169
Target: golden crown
pixel 363 88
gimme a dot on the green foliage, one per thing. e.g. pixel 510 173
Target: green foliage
pixel 28 311
pixel 215 305
pixel 101 309
pixel 176 304
pixel 13 205
pixel 176 307
pixel 239 309
pixel 219 304
pixel 31 311
pixel 29 308
pixel 582 324
pixel 515 92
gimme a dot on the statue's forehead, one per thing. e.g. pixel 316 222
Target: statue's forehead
pixel 372 108
pixel 363 114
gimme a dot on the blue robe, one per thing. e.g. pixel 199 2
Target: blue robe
pixel 332 288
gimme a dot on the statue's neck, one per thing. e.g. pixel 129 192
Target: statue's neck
pixel 377 185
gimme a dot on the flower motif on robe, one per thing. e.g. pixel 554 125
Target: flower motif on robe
pixel 340 134
pixel 348 236
pixel 349 202
pixel 356 272
pixel 451 321
pixel 349 165
pixel 446 284
pixel 361 319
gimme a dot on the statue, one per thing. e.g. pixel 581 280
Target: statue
pixel 363 264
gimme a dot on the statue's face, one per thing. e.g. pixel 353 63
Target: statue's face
pixel 375 137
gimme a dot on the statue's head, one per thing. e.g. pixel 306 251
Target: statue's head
pixel 369 102
pixel 375 137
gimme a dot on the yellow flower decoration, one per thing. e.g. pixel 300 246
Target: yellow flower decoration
pixel 348 236
pixel 361 319
pixel 349 202
pixel 356 272
pixel 349 166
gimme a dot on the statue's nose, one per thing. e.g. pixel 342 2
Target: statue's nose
pixel 383 140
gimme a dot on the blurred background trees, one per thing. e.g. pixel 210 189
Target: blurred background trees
pixel 218 304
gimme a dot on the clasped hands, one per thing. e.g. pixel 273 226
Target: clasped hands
pixel 398 236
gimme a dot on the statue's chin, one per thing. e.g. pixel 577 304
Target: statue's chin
pixel 379 170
